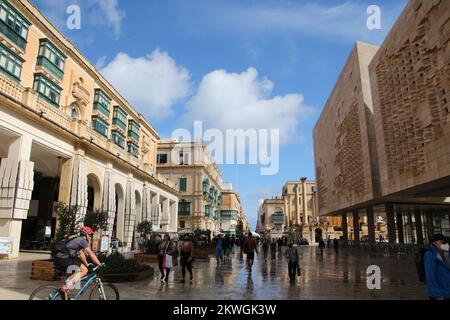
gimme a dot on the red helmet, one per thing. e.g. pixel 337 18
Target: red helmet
pixel 86 230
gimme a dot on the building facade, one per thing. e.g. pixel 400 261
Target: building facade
pixel 295 212
pixel 231 213
pixel 190 165
pixel 67 135
pixel 387 173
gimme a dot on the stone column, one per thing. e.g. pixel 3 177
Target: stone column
pixel 286 212
pixel 391 223
pixel 304 202
pixel 65 183
pixel 344 226
pixel 419 230
pixel 146 203
pixel 130 213
pixel 156 210
pixel 109 198
pixel 16 187
pixel 78 194
pixel 371 224
pixel 297 207
pixel 356 235
pixel 399 220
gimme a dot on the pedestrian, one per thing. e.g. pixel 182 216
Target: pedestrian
pixel 321 246
pixel 265 247
pixel 141 242
pixel 336 245
pixel 293 261
pixel 328 241
pixel 165 257
pixel 437 269
pixel 219 249
pixel 280 244
pixel 249 248
pixel 273 249
pixel 186 257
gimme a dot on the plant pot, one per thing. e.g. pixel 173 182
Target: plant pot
pixel 43 270
pixel 128 277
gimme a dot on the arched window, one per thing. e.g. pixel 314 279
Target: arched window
pixel 74 112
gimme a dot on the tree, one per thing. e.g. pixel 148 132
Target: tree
pixel 144 227
pixel 97 220
pixel 69 221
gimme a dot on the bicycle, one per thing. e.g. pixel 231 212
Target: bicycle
pixel 100 291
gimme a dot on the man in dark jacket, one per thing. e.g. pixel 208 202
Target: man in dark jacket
pixel 336 245
pixel 437 269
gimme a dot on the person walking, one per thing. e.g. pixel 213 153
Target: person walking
pixel 273 249
pixel 186 257
pixel 321 246
pixel 219 249
pixel 265 247
pixel 293 261
pixel 328 241
pixel 437 269
pixel 249 248
pixel 226 247
pixel 336 245
pixel 165 259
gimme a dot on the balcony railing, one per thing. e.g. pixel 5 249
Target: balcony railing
pixel 12 35
pixel 184 213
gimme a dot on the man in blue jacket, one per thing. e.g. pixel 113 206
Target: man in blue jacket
pixel 437 269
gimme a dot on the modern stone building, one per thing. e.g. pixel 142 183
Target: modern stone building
pixel 388 170
pixel 295 212
pixel 67 135
pixel 190 165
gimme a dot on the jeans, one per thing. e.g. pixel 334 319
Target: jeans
pixel 161 269
pixel 219 254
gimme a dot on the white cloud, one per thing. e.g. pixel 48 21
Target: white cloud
pixel 243 101
pixel 110 10
pixel 153 84
pixel 344 21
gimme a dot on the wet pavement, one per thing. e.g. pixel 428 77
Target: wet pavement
pixel 330 277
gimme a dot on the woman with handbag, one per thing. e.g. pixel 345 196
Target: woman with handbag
pixel 165 260
pixel 186 257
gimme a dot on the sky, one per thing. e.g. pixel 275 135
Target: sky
pixel 232 64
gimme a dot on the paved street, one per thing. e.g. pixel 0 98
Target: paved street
pixel 328 277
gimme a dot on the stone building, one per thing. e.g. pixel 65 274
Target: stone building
pixel 190 165
pixel 67 135
pixel 296 212
pixel 387 172
pixel 232 215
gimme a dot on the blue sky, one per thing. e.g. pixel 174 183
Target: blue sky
pixel 265 64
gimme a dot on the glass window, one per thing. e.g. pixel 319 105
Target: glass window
pixel 47 89
pixel 161 158
pixel 10 63
pixel 183 184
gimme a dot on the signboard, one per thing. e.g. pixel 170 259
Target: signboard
pixel 6 245
pixel 48 231
pixel 104 244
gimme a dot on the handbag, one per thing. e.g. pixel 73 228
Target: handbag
pixel 167 262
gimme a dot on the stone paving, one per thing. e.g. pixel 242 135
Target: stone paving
pixel 331 277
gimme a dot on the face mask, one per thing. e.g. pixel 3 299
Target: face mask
pixel 445 247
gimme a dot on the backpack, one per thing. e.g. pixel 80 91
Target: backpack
pixel 60 250
pixel 420 263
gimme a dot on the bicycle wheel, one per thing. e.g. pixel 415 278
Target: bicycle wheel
pixel 47 293
pixel 111 292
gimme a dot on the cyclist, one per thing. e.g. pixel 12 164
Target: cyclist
pixel 73 257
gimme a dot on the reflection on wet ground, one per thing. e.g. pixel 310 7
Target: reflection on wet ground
pixel 329 276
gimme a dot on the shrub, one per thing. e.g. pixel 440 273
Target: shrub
pixel 117 263
pixel 69 221
pixel 97 220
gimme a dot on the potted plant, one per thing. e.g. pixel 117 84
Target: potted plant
pixel 150 244
pixel 68 224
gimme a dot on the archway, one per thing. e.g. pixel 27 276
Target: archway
pixel 119 216
pixel 319 234
pixel 94 193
